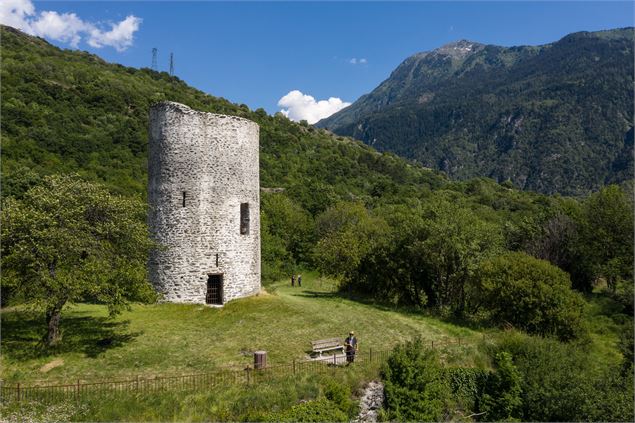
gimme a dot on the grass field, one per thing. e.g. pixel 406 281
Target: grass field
pixel 178 339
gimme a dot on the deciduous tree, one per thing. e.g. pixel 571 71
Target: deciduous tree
pixel 67 240
pixel 531 294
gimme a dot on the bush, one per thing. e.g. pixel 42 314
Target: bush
pixel 340 395
pixel 466 385
pixel 414 386
pixel 562 382
pixel 501 400
pixel 531 294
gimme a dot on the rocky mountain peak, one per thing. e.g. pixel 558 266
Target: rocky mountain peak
pixel 459 49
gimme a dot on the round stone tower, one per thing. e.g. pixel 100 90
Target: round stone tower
pixel 204 196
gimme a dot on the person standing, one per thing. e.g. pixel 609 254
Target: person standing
pixel 351 346
pixel 292 280
pixel 300 280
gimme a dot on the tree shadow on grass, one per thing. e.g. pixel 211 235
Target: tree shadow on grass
pixel 469 322
pixel 318 294
pixel 23 331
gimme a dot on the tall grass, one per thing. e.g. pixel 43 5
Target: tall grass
pixel 239 402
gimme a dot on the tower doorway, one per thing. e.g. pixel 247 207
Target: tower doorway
pixel 214 290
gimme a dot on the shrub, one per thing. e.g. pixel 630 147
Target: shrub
pixel 501 400
pixel 340 395
pixel 466 385
pixel 531 294
pixel 414 386
pixel 562 382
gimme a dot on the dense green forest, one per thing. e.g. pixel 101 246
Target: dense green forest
pixel 555 118
pixel 390 231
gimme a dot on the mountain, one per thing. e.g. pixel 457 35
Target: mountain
pixel 555 118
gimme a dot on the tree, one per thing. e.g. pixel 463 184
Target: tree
pixel 455 244
pixel 531 294
pixel 393 270
pixel 67 240
pixel 291 223
pixel 277 261
pixel 607 235
pixel 347 234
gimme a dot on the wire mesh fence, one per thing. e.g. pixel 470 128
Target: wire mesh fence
pixel 199 381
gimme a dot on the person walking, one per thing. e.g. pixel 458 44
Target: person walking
pixel 292 280
pixel 300 280
pixel 351 346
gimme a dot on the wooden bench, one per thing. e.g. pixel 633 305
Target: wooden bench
pixel 323 345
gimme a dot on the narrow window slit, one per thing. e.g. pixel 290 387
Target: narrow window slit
pixel 244 218
pixel 184 195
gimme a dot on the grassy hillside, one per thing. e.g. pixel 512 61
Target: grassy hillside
pixel 69 111
pixel 180 339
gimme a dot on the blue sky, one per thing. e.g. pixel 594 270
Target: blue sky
pixel 256 53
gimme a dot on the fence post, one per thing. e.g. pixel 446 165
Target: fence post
pixel 294 366
pixel 77 391
pixel 459 338
pixel 18 391
pixel 432 344
pixel 370 355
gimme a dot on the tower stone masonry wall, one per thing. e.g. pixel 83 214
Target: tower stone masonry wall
pixel 201 168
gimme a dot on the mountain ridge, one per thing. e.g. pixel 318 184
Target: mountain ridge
pixel 448 108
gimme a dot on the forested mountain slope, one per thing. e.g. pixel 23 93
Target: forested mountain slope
pixel 552 118
pixel 70 111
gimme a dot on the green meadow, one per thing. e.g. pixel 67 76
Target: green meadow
pixel 173 339
pixel 165 339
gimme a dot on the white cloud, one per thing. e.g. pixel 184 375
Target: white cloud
pixel 298 106
pixel 67 27
pixel 15 12
pixel 120 36
pixel 356 61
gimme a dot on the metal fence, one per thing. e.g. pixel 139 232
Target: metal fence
pixel 148 384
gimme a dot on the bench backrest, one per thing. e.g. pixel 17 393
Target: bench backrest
pixel 326 343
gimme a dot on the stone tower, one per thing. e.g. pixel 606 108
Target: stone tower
pixel 204 196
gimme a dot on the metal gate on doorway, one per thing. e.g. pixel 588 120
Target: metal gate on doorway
pixel 214 293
